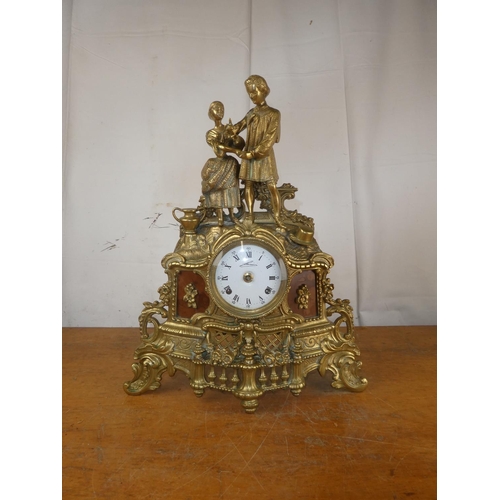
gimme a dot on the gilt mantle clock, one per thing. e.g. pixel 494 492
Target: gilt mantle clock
pixel 247 307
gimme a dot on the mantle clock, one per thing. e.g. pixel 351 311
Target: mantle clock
pixel 247 307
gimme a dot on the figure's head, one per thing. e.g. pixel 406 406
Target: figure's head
pixel 216 111
pixel 257 89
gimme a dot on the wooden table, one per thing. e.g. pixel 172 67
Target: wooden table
pixel 324 444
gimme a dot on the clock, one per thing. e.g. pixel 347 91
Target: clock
pixel 248 278
pixel 247 307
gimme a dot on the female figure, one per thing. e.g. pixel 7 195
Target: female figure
pixel 263 131
pixel 220 184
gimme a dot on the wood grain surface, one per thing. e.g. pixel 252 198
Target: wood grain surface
pixel 325 444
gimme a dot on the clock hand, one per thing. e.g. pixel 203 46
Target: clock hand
pixel 248 264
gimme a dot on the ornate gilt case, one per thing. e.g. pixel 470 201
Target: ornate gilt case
pixel 246 354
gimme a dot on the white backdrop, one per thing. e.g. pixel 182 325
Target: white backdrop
pixel 355 81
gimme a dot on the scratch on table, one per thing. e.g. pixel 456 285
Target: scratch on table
pixel 393 471
pixel 305 415
pixel 315 441
pixel 246 465
pixel 246 462
pixel 100 431
pixel 117 471
pixel 256 422
pixel 383 401
pixel 183 485
pixel 257 450
pixel 132 473
pixel 100 454
pixel 206 429
pixel 93 487
pixel 364 440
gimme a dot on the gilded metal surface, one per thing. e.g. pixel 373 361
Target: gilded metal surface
pixel 302 298
pixel 190 295
pixel 223 349
pixel 220 185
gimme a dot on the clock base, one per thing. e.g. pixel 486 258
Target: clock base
pixel 250 361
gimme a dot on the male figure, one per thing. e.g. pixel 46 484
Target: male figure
pixel 258 163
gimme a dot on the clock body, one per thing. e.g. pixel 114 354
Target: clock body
pixel 247 308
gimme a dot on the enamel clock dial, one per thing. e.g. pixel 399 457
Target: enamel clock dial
pixel 248 279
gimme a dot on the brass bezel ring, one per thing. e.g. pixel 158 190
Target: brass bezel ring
pixel 237 312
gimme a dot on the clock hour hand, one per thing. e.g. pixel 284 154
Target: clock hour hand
pixel 248 264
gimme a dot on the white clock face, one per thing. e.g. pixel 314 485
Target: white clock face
pixel 248 277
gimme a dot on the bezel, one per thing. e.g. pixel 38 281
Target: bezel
pixel 237 312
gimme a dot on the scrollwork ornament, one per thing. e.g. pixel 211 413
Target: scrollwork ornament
pixel 343 366
pixel 311 342
pixel 147 317
pixel 148 373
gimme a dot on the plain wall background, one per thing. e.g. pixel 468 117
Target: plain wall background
pixel 355 82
